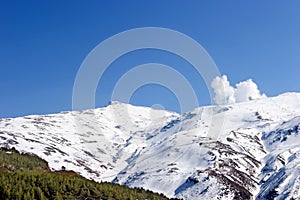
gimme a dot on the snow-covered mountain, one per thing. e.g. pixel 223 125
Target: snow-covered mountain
pixel 240 151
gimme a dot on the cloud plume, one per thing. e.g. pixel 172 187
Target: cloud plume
pixel 227 94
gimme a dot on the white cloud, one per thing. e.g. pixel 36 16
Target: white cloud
pixel 226 94
pixel 246 91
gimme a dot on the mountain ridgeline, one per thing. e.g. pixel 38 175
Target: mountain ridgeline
pixel 247 150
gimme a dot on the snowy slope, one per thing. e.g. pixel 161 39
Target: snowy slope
pixel 95 143
pixel 239 151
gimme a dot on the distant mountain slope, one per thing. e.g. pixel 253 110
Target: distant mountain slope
pixel 254 155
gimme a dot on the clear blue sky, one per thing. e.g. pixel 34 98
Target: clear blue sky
pixel 43 43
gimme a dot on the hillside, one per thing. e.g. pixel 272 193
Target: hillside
pixel 27 177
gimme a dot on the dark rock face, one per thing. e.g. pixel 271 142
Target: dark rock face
pixel 227 168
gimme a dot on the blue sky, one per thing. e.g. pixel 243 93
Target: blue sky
pixel 43 43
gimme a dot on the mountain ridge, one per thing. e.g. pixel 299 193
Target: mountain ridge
pixel 185 156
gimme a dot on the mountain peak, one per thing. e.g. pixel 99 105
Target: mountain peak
pixel 117 103
pixel 256 155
